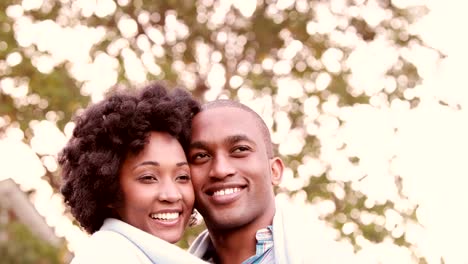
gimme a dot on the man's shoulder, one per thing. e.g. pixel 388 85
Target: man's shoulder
pixel 300 236
pixel 297 216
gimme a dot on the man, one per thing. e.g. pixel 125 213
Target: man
pixel 233 173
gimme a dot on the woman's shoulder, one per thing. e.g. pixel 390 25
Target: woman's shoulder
pixel 108 247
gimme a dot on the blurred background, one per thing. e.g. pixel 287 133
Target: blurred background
pixel 366 101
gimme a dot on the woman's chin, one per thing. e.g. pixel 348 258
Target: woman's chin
pixel 171 236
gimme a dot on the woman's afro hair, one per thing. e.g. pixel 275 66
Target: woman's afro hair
pixel 105 134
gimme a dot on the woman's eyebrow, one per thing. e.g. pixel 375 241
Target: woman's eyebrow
pixel 155 163
pixel 146 162
pixel 180 164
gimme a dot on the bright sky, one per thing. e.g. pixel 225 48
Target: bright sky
pixel 428 151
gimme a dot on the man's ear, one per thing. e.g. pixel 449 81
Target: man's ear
pixel 277 167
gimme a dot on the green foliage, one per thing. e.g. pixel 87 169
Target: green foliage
pixel 248 42
pixel 23 247
pixel 190 234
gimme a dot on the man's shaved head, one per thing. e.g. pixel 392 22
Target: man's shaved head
pixel 261 124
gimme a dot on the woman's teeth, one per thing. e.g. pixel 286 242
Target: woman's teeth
pixel 165 216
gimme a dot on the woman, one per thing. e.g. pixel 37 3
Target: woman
pixel 126 177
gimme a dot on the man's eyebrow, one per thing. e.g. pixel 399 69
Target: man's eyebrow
pixel 198 144
pixel 231 140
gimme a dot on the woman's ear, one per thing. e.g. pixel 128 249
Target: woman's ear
pixel 277 167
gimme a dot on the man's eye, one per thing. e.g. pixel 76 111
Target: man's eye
pixel 240 149
pixel 199 156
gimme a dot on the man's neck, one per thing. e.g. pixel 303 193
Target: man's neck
pixel 234 247
pixel 237 245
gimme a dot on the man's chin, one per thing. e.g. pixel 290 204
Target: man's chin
pixel 226 222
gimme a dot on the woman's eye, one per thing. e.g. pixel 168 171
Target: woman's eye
pixel 183 178
pixel 148 178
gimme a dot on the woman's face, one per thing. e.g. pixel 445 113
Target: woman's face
pixel 157 191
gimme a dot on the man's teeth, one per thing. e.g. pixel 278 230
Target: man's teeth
pixel 165 216
pixel 226 191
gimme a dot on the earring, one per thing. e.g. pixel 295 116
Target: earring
pixel 195 218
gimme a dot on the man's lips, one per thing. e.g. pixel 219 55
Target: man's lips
pixel 224 194
pixel 224 189
pixel 227 191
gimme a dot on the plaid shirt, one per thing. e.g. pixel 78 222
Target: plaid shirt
pixel 264 247
pixel 264 253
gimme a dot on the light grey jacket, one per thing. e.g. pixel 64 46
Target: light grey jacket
pixel 119 242
pixel 298 237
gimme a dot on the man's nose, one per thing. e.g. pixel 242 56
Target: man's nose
pixel 169 192
pixel 221 167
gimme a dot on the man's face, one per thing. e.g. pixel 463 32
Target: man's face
pixel 231 172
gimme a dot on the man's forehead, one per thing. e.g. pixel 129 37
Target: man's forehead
pixel 217 122
pixel 221 113
pixel 224 119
